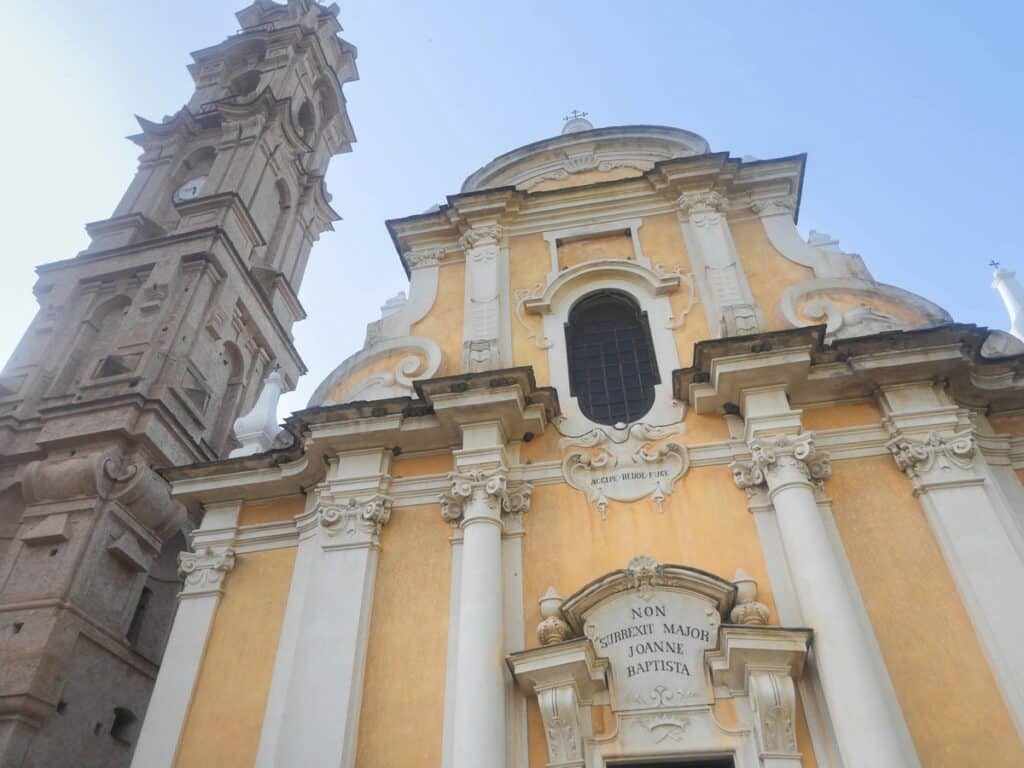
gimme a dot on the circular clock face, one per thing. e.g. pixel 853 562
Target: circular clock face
pixel 189 190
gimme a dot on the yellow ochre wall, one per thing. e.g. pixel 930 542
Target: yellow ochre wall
pixel 705 525
pixel 224 722
pixel 768 272
pixel 943 682
pixel 443 323
pixel 403 695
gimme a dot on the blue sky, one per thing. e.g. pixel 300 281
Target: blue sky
pixel 910 114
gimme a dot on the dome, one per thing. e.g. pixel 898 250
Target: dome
pixel 587 153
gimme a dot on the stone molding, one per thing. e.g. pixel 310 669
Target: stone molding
pixel 768 455
pixel 110 476
pixel 763 664
pixel 204 571
pixel 644 573
pixel 423 363
pixel 858 321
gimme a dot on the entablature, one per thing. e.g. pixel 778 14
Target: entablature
pixel 434 420
pixel 816 372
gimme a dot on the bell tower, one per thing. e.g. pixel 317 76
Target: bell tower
pixel 145 349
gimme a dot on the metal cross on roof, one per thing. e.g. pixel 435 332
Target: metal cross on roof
pixel 575 114
pixel 994 264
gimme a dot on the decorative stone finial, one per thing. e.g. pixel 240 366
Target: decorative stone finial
pixel 257 429
pixel 747 610
pixel 552 628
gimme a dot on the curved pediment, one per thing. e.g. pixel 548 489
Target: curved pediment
pixel 586 157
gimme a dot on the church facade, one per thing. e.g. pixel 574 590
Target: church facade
pixel 635 475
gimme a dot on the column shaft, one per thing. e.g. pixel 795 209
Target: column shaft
pixel 854 694
pixel 479 737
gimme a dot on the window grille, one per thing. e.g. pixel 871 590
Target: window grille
pixel 612 368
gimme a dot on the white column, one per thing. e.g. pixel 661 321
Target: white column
pixel 479 494
pixel 312 713
pixel 203 571
pixel 934 444
pixel 789 465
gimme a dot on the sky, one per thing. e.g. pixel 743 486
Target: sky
pixel 910 114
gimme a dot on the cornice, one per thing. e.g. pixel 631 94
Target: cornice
pixel 814 371
pixel 432 420
pixel 218 234
pixel 745 184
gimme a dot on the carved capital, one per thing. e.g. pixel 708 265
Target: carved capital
pixel 354 520
pixel 489 488
pixel 418 259
pixel 487 234
pixel 770 455
pixel 933 455
pixel 204 570
pixel 773 206
pixel 702 202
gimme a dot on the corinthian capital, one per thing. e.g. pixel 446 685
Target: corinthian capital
pixel 204 570
pixel 486 487
pixel 773 205
pixel 770 455
pixel 486 234
pixel 919 457
pixel 355 517
pixel 702 202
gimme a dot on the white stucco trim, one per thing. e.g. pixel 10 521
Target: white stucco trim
pixel 452 658
pixel 826 751
pixel 515 640
pixel 556 237
pixel 650 290
pixel 183 657
pixel 422 364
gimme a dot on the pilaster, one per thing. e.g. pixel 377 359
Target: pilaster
pixel 204 570
pixel 481 495
pixel 484 343
pixel 321 654
pixel 935 444
pixel 786 465
pixel 728 299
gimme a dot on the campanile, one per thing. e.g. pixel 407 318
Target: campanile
pixel 146 347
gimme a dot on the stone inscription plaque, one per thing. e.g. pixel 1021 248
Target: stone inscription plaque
pixel 654 641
